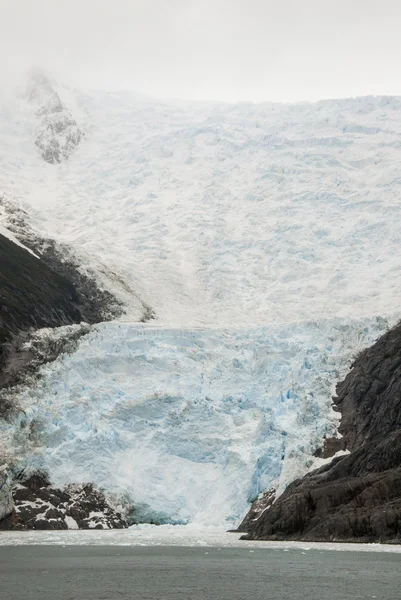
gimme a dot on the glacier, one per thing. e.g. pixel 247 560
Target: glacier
pixel 221 214
pixel 189 426
pixel 264 239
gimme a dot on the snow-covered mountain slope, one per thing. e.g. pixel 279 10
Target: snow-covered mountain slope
pixel 224 214
pixel 264 238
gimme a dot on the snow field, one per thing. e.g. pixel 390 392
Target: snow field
pixel 223 215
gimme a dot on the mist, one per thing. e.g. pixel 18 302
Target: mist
pixel 230 50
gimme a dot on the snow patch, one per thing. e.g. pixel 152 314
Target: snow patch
pixel 70 522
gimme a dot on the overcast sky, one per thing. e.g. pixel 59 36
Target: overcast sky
pixel 283 50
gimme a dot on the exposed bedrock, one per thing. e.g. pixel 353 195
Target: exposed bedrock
pixel 34 295
pixel 31 294
pixel 356 497
pixel 38 505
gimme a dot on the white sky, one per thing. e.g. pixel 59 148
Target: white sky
pixel 286 50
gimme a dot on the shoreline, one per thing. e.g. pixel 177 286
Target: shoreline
pixel 176 535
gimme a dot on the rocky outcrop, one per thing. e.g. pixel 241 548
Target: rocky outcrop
pixel 356 497
pixel 34 295
pixel 42 288
pixel 31 296
pixel 38 505
pixel 57 132
pixel 258 507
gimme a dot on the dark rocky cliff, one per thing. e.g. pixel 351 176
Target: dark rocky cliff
pixel 32 296
pixel 36 293
pixel 357 497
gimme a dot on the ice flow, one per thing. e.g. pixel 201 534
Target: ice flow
pixel 189 426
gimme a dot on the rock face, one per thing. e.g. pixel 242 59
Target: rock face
pixel 31 296
pixel 37 293
pixel 38 505
pixel 357 497
pixel 57 133
pixel 258 507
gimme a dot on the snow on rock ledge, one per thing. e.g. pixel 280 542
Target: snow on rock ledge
pixel 57 134
pixel 6 499
pixel 38 505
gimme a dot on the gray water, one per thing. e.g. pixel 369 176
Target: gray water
pixel 177 573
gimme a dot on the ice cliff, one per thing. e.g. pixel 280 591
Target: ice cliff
pixel 186 426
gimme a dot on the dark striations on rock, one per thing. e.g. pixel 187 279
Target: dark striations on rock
pixel 38 505
pixel 37 293
pixel 32 296
pixel 357 497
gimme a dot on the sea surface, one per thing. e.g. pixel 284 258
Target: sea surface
pixel 89 572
